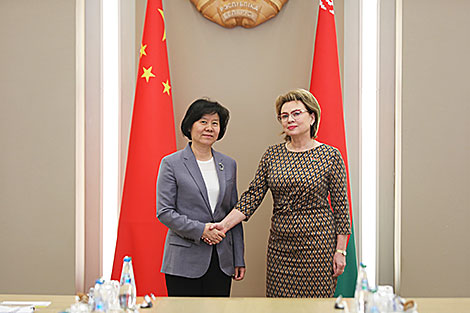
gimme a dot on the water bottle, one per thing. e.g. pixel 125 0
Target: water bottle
pixel 91 299
pixel 373 303
pixel 98 301
pixel 361 294
pixel 127 290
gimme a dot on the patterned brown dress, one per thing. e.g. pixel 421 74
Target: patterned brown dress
pixel 302 238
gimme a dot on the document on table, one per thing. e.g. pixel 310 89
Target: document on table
pixel 21 306
pixel 30 303
pixel 16 309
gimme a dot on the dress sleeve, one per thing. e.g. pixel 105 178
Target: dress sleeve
pixel 254 195
pixel 338 189
pixel 237 231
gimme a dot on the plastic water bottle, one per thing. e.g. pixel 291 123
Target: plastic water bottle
pixel 98 301
pixel 361 295
pixel 373 302
pixel 91 299
pixel 127 290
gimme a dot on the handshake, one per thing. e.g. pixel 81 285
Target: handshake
pixel 213 233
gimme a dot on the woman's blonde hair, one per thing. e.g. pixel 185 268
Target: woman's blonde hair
pixel 311 104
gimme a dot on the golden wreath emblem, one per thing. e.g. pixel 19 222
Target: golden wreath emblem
pixel 245 13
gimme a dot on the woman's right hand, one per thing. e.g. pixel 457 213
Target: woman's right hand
pixel 212 235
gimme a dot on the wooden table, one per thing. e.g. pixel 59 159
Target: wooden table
pixel 265 305
pixel 247 305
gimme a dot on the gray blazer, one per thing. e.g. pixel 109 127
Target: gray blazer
pixel 183 206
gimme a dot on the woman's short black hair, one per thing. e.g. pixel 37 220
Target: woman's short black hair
pixel 198 109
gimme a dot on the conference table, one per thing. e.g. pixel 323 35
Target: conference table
pixel 59 303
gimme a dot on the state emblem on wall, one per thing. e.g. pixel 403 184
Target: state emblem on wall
pixel 245 13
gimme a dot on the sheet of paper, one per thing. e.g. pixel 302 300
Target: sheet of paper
pixel 16 309
pixel 30 303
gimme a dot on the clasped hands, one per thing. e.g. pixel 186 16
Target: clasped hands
pixel 213 233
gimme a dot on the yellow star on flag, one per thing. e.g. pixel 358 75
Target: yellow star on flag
pixel 147 73
pixel 142 50
pixel 164 29
pixel 167 87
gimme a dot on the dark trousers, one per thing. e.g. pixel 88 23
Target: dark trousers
pixel 214 283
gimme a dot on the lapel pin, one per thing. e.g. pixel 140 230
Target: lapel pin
pixel 221 166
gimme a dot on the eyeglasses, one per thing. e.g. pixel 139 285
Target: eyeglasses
pixel 284 117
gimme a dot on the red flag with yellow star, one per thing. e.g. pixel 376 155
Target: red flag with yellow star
pixel 152 136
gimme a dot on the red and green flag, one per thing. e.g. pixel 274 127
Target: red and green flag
pixel 152 136
pixel 325 85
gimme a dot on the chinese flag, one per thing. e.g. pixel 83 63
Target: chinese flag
pixel 152 136
pixel 325 85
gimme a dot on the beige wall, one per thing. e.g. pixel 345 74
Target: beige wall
pixel 386 143
pixel 37 139
pixel 93 136
pixel 435 149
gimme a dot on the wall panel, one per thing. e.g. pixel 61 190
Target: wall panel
pixel 37 139
pixel 435 149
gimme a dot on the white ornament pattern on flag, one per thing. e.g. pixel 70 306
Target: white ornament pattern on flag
pixel 327 5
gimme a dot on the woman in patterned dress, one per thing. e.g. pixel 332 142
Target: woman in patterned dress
pixel 308 238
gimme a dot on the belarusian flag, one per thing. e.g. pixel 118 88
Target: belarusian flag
pixel 152 136
pixel 325 85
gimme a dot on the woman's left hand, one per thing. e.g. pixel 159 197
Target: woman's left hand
pixel 239 273
pixel 339 263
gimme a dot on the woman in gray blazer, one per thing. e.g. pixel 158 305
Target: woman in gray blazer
pixel 197 187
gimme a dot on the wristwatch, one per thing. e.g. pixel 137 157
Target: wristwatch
pixel 343 252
